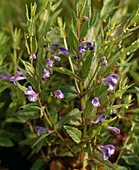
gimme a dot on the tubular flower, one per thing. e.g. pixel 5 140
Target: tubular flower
pixel 65 51
pixel 17 78
pixel 88 44
pixel 50 62
pixel 114 129
pixel 56 58
pixel 33 98
pixel 32 56
pixel 105 61
pixel 40 129
pixel 32 95
pixel 46 73
pixel 95 102
pixel 101 118
pixel 59 94
pixel 107 150
pixel 55 45
pixel 81 49
pixel 5 75
pixel 110 80
pixel 52 51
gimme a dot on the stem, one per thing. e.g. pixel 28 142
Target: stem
pixel 130 134
pixel 44 113
pixel 72 68
pixel 15 60
pixel 53 95
pixel 92 78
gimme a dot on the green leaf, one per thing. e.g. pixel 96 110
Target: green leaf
pixel 28 66
pixel 134 75
pixel 56 5
pixel 135 111
pixel 49 23
pixel 65 152
pixel 87 64
pixel 43 136
pixel 28 113
pixel 66 71
pixel 34 44
pixel 26 44
pixel 70 116
pixel 74 133
pixel 39 164
pixel 6 142
pixel 23 88
pixel 15 120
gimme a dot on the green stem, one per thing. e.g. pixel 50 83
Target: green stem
pixel 92 78
pixel 15 61
pixel 72 68
pixel 130 134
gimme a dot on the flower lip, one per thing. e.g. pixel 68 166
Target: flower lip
pixel 59 94
pixel 114 129
pixel 95 102
pixel 29 91
pixel 40 129
pixel 20 73
pixel 65 51
pixel 101 118
pixel 50 62
pixel 105 61
pixel 46 73
pixel 110 80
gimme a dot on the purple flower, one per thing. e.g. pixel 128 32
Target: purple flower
pixel 17 78
pixel 20 73
pixel 33 98
pixel 85 17
pixel 107 150
pixel 32 56
pixel 81 49
pixel 5 75
pixel 29 91
pixel 55 45
pixel 46 73
pixel 88 44
pixel 105 61
pixel 32 95
pixel 101 118
pixel 40 129
pixel 52 51
pixel 114 129
pixel 56 57
pixel 59 94
pixel 50 62
pixel 95 102
pixel 65 51
pixel 110 80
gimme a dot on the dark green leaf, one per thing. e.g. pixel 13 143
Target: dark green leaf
pixel 74 133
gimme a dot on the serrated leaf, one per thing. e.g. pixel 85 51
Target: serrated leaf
pixel 27 113
pixel 74 133
pixel 72 115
